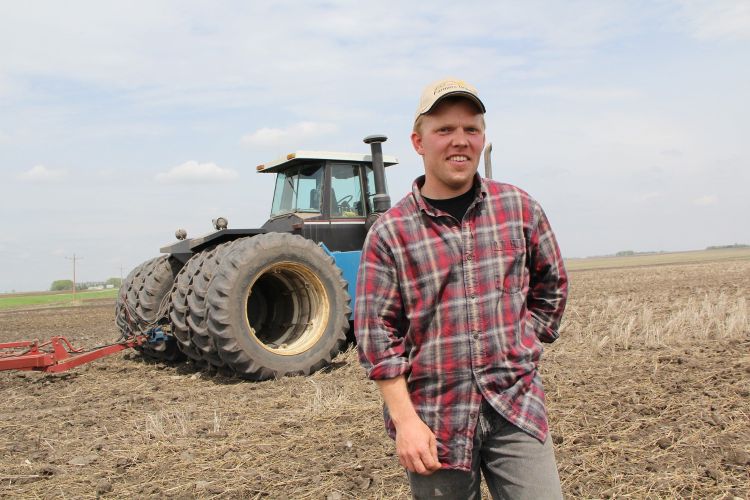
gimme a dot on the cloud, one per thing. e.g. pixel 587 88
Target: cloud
pixel 649 196
pixel 137 54
pixel 705 200
pixel 106 173
pixel 583 94
pixel 292 134
pixel 192 172
pixel 641 129
pixel 137 48
pixel 710 19
pixel 40 173
pixel 673 153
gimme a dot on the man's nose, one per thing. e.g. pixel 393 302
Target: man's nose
pixel 460 138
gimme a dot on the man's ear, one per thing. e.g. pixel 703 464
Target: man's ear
pixel 416 141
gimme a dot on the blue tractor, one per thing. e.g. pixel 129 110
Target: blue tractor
pixel 267 302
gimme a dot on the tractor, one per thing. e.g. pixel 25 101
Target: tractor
pixel 268 302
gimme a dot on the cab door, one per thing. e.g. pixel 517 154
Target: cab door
pixel 344 210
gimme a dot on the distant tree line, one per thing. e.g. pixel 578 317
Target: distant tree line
pixel 723 247
pixel 626 253
pixel 67 285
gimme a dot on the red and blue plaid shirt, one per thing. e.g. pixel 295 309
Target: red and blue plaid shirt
pixel 460 309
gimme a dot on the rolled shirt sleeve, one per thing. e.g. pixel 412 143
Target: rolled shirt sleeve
pixel 548 281
pixel 378 313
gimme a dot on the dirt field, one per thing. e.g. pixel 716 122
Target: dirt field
pixel 648 391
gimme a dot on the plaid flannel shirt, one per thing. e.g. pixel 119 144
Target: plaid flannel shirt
pixel 460 309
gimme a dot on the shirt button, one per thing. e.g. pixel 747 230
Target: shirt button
pixel 473 297
pixel 473 415
pixel 475 334
pixel 468 257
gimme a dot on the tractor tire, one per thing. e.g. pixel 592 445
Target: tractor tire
pixel 143 304
pixel 121 313
pixel 189 303
pixel 195 318
pixel 278 305
pixel 179 312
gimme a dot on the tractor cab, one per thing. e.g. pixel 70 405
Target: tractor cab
pixel 330 198
pixel 324 196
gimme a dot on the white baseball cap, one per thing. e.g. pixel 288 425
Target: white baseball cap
pixel 437 91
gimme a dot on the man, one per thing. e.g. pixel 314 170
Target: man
pixel 459 283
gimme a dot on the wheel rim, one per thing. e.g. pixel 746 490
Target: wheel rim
pixel 287 308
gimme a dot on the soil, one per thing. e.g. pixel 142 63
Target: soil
pixel 646 421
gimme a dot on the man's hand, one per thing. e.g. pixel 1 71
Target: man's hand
pixel 415 442
pixel 416 447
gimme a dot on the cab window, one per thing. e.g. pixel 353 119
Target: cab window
pixel 347 199
pixel 298 190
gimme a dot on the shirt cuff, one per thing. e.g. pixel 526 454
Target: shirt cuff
pixel 544 333
pixel 389 368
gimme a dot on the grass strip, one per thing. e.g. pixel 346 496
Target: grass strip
pixel 21 301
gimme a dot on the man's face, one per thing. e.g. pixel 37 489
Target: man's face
pixel 450 140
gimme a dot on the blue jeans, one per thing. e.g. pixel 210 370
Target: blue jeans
pixel 514 464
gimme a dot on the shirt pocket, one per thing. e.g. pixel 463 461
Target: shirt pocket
pixel 510 264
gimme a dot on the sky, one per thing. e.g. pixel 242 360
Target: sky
pixel 123 121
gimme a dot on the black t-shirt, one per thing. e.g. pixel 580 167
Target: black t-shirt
pixel 455 206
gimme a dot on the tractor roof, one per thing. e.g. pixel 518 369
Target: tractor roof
pixel 298 157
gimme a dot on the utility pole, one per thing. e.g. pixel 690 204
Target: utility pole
pixel 74 259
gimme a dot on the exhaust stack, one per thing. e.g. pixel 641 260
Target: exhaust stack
pixel 381 200
pixel 488 161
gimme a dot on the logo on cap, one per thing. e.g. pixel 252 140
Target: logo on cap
pixel 451 84
pixel 441 89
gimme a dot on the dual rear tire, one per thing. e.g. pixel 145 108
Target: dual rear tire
pixel 261 307
pixel 277 306
pixel 142 305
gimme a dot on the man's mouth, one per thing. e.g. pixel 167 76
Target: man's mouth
pixel 458 158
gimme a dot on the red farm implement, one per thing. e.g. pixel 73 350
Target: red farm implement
pixel 57 354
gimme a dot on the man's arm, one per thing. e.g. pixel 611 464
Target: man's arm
pixel 380 328
pixel 416 445
pixel 548 281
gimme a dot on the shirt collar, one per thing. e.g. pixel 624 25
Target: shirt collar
pixel 480 190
